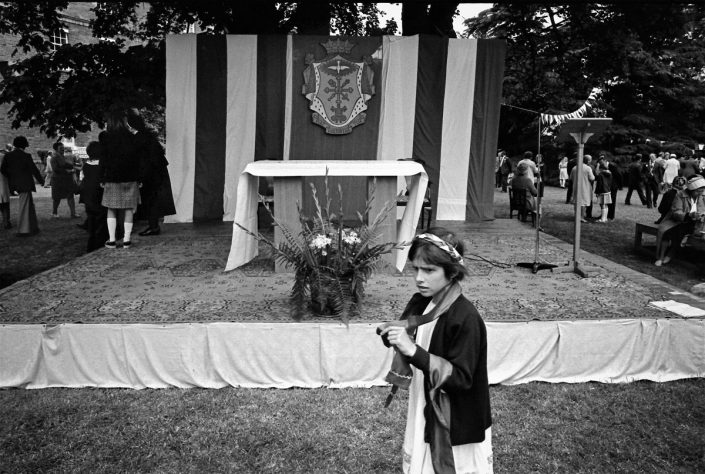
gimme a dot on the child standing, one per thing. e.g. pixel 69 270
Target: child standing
pixel 441 357
pixel 563 171
pixel 119 176
pixel 91 196
pixel 602 189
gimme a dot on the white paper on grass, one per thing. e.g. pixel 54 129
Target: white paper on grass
pixel 681 309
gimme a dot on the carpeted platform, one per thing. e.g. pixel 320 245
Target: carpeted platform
pixel 164 314
pixel 178 277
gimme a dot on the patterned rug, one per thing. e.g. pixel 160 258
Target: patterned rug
pixel 178 277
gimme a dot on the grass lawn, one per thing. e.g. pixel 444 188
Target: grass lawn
pixel 59 240
pixel 637 427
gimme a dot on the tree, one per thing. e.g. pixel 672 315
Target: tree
pixel 648 58
pixel 67 90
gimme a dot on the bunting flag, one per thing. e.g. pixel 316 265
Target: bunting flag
pixel 554 120
pixel 234 99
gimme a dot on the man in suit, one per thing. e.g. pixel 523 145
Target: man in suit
pixel 636 180
pixel 20 170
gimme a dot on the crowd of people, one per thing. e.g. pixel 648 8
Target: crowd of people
pixel 678 182
pixel 125 174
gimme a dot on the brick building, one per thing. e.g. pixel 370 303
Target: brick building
pixel 76 29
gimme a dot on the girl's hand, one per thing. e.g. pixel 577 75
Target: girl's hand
pixel 399 338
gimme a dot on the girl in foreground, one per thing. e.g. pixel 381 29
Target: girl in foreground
pixel 441 356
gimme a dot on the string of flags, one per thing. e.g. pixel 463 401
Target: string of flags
pixel 554 120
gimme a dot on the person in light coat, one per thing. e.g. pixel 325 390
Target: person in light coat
pixel 670 169
pixel 583 194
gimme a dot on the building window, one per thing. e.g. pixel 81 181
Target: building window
pixel 59 38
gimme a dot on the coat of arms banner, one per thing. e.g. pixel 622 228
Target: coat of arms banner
pixel 338 87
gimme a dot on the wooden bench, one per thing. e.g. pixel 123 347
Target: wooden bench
pixel 652 229
pixel 696 242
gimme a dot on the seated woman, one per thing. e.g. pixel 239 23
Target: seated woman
pixel 687 210
pixel 521 181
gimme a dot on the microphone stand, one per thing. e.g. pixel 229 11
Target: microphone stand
pixel 536 265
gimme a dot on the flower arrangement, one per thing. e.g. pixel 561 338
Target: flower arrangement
pixel 331 262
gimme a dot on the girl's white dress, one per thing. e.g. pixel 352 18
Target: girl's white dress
pixel 468 458
pixel 563 170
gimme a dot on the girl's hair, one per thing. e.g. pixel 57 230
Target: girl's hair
pixel 94 150
pixel 135 119
pixel 434 255
pixel 115 120
pixel 20 142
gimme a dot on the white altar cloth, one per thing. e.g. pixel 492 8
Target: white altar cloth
pixel 244 247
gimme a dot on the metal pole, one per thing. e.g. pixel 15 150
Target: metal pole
pixel 538 198
pixel 580 138
pixel 576 194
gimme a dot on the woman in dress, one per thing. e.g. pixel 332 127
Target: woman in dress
pixel 119 176
pixel 441 356
pixel 603 186
pixel 63 184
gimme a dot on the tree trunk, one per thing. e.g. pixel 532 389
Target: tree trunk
pixel 434 18
pixel 312 17
pixel 251 18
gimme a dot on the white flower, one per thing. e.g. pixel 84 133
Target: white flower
pixel 351 237
pixel 320 242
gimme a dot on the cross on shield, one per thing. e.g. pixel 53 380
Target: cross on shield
pixel 338 90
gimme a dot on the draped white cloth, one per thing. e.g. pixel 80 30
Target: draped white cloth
pixel 281 355
pixel 180 132
pixel 243 247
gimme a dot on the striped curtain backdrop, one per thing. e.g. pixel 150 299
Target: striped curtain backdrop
pixel 234 99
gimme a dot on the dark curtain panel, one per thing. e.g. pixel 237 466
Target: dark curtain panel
pixel 271 95
pixel 430 92
pixel 485 124
pixel 211 113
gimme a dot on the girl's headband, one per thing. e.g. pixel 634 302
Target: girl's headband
pixel 443 245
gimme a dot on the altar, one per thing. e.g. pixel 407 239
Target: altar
pixel 288 178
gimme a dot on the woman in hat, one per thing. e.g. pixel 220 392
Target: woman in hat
pixel 441 357
pixel 522 182
pixel 687 211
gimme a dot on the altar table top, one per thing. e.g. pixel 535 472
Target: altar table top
pixel 244 247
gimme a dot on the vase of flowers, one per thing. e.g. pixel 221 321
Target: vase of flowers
pixel 331 261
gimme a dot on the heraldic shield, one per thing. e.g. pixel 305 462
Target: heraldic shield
pixel 338 88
